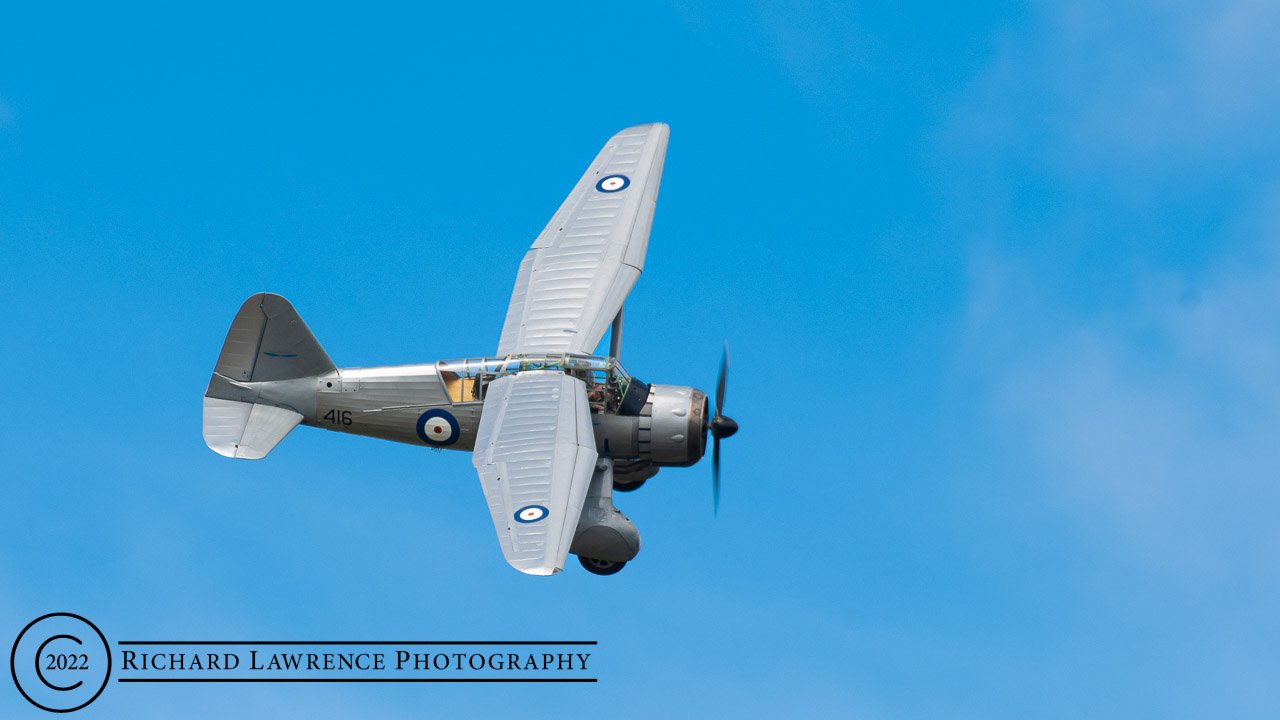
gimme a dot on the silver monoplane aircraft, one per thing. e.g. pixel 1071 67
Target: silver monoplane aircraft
pixel 553 429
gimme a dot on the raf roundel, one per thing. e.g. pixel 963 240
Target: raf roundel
pixel 438 428
pixel 530 513
pixel 613 183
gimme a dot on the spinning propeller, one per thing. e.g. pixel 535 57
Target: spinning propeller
pixel 721 426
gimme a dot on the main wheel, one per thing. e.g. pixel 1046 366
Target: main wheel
pixel 600 567
pixel 627 487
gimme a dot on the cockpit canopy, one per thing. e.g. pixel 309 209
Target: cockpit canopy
pixel 606 380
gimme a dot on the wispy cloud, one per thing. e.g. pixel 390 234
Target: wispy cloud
pixel 1157 416
pixel 1151 408
pixel 1161 82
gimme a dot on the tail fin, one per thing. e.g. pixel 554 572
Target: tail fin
pixel 267 343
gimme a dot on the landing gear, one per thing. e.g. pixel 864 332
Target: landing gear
pixel 601 567
pixel 627 486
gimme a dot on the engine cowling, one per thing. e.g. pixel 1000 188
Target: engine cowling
pixel 673 425
pixel 670 430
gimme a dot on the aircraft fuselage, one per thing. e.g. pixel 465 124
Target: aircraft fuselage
pixel 435 405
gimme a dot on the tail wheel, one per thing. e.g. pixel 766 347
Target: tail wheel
pixel 600 567
pixel 627 487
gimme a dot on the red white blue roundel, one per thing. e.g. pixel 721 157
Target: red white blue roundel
pixel 438 428
pixel 530 513
pixel 613 183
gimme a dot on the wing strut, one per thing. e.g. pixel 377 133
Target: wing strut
pixel 615 336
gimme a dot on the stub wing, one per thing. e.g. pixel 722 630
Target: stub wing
pixel 574 279
pixel 535 452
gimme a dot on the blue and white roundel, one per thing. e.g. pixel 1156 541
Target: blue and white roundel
pixel 438 428
pixel 530 513
pixel 613 183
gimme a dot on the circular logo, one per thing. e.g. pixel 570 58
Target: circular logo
pixel 613 183
pixel 530 513
pixel 60 662
pixel 438 428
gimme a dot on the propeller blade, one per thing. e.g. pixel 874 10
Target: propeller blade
pixel 724 372
pixel 720 427
pixel 715 474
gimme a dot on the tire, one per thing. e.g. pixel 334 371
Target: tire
pixel 600 567
pixel 627 487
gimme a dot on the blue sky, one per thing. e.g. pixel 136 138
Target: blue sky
pixel 998 283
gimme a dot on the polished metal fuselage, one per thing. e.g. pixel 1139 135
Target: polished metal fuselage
pixel 389 402
pixel 653 425
pixel 386 402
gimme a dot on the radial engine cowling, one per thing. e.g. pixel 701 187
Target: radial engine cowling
pixel 669 430
pixel 673 425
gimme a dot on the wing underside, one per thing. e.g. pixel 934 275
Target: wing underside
pixel 574 279
pixel 535 453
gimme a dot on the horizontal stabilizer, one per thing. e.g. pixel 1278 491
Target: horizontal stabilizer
pixel 245 430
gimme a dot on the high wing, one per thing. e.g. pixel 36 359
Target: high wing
pixel 535 452
pixel 574 279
